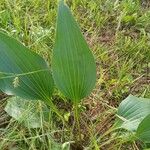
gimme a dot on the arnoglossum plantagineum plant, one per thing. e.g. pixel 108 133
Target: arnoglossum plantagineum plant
pixel 73 65
pixel 25 74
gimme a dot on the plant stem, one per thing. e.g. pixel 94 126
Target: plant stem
pixel 77 118
pixel 54 108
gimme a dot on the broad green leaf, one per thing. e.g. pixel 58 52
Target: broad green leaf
pixel 23 72
pixel 143 131
pixel 131 112
pixel 31 113
pixel 73 65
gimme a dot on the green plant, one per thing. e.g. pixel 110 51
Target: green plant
pixel 27 75
pixel 34 31
pixel 134 117
pixel 73 64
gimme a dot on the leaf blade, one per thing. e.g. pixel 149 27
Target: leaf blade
pixel 17 59
pixel 73 65
pixel 31 113
pixel 143 131
pixel 133 110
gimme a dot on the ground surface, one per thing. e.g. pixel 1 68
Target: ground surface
pixel 118 33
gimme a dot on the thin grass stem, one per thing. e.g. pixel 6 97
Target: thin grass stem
pixel 54 109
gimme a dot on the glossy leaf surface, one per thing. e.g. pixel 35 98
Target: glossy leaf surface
pixel 73 64
pixel 23 72
pixel 131 112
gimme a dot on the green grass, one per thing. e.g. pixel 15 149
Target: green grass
pixel 118 33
